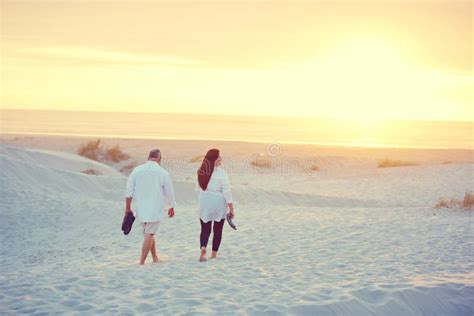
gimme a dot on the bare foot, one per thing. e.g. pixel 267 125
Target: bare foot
pixel 214 255
pixel 155 260
pixel 203 258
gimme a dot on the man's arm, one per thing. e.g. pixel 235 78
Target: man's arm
pixel 128 205
pixel 168 190
pixel 130 192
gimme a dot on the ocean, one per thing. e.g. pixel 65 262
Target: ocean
pixel 333 132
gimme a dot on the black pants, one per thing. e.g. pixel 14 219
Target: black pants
pixel 206 232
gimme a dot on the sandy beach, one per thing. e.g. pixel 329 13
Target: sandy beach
pixel 348 239
pixel 338 133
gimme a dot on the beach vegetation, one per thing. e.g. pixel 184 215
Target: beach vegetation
pixel 115 154
pixel 390 163
pixel 91 149
pixel 313 167
pixel 197 158
pixel 91 172
pixel 95 150
pixel 467 203
pixel 128 168
pixel 261 162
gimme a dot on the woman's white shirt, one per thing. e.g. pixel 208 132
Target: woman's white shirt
pixel 213 201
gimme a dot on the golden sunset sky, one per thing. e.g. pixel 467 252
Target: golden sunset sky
pixel 362 60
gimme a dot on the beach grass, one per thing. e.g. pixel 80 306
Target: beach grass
pixel 91 149
pixel 115 154
pixel 313 168
pixel 390 163
pixel 467 202
pixel 197 158
pixel 95 150
pixel 91 172
pixel 128 168
pixel 261 162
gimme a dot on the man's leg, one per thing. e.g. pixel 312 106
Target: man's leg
pixel 153 250
pixel 147 242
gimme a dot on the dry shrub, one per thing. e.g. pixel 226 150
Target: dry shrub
pixel 115 154
pixel 91 150
pixel 95 150
pixel 389 163
pixel 467 203
pixel 128 168
pixel 197 158
pixel 91 172
pixel 313 168
pixel 261 162
pixel 443 202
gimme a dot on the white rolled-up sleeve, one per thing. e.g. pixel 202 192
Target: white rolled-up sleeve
pixel 168 191
pixel 197 188
pixel 131 185
pixel 226 189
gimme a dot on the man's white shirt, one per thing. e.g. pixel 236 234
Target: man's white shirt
pixel 149 185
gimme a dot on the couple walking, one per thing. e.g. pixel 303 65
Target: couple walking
pixel 149 187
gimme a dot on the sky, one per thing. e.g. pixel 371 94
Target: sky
pixel 361 60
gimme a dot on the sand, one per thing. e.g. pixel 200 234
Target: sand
pixel 350 239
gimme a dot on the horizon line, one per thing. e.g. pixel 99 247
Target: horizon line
pixel 234 115
pixel 329 144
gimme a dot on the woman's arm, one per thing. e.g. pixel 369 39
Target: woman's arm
pixel 231 209
pixel 227 194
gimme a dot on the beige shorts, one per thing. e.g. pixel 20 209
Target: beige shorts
pixel 150 227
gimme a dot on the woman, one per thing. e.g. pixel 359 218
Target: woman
pixel 214 201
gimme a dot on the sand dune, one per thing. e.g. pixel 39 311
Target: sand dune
pixel 361 244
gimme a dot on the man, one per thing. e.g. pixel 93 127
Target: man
pixel 148 185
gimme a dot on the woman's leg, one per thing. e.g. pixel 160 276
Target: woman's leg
pixel 204 238
pixel 217 237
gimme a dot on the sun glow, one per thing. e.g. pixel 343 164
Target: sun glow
pixel 372 76
pixel 317 61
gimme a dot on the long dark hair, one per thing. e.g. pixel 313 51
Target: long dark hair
pixel 207 168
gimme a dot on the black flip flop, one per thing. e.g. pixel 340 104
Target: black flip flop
pixel 231 223
pixel 127 223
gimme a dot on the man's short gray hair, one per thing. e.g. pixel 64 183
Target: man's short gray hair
pixel 155 153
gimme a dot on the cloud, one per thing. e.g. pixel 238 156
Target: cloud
pixel 93 55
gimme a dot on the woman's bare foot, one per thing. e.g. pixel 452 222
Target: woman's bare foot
pixel 214 255
pixel 155 260
pixel 203 258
